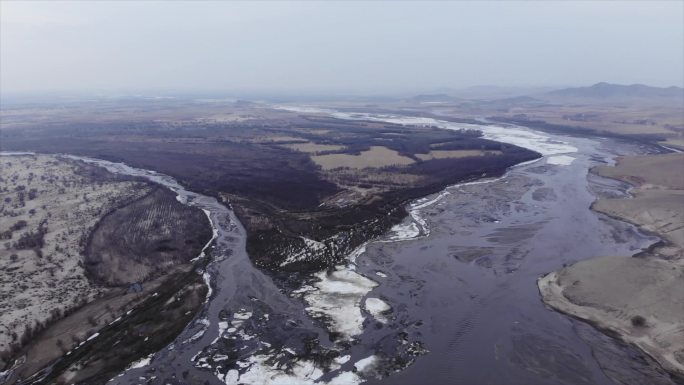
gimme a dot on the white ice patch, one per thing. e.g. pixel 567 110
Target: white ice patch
pixel 205 325
pixel 214 232
pixel 412 226
pixel 346 378
pixel 342 359
pixel 365 364
pixel 404 231
pixel 525 138
pixel 223 326
pixel 376 307
pixel 428 201
pixel 381 274
pixel 561 160
pixel 242 315
pixel 231 377
pixel 356 254
pixel 141 362
pixel 259 371
pixel 519 136
pixel 338 296
pixel 207 280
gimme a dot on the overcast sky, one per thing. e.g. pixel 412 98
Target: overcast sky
pixel 364 47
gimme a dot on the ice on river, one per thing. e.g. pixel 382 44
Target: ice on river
pixel 519 136
pixel 337 296
pixel 560 160
pixel 377 308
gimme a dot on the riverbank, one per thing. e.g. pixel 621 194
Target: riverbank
pixel 638 299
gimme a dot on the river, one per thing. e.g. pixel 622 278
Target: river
pixel 447 297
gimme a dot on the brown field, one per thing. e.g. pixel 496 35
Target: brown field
pixel 662 171
pixel 277 139
pixel 313 148
pixel 675 143
pixel 637 297
pixel 376 156
pixel 441 154
pixel 634 297
pixel 619 120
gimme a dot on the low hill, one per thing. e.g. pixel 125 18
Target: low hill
pixel 616 92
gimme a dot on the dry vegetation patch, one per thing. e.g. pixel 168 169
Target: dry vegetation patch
pixel 664 171
pixel 441 154
pixel 313 148
pixel 376 156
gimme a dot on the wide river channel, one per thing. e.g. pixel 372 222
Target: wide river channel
pixel 447 297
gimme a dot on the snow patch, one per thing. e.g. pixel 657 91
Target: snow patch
pixel 561 160
pixel 365 364
pixel 259 371
pixel 404 231
pixel 141 362
pixel 355 255
pixel 337 296
pixel 342 359
pixel 377 307
pixel 346 378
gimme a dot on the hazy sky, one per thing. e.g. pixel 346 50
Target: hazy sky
pixel 365 47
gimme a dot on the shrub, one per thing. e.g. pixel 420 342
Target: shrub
pixel 638 321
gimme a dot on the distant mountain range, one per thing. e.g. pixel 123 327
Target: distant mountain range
pixel 434 98
pixel 598 93
pixel 617 92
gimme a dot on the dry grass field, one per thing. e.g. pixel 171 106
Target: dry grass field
pixel 375 157
pixel 619 119
pixel 441 154
pixel 661 172
pixel 313 148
